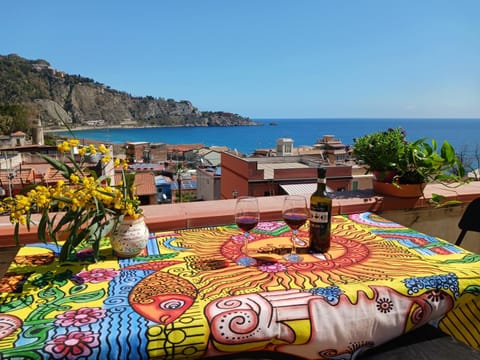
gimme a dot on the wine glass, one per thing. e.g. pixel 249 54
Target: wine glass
pixel 247 216
pixel 295 214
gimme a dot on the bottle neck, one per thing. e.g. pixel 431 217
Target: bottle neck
pixel 321 184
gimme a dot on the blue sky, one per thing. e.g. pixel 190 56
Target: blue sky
pixel 265 58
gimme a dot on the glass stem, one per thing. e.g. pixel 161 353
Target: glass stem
pixel 294 238
pixel 246 234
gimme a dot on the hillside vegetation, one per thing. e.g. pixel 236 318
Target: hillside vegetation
pixel 58 98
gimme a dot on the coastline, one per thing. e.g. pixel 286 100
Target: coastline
pixel 93 128
pixel 87 128
pixel 464 135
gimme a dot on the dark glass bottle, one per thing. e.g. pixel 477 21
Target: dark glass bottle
pixel 320 216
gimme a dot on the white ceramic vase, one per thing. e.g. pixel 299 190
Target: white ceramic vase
pixel 130 237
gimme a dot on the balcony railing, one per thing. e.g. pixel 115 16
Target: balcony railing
pixel 414 213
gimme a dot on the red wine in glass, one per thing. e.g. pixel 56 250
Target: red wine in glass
pixel 295 221
pixel 247 216
pixel 246 223
pixel 295 214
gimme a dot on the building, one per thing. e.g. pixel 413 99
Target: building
pixel 176 152
pixel 142 151
pixel 209 183
pixel 12 181
pixel 204 157
pixel 145 184
pixel 156 168
pixel 38 137
pixel 15 139
pixel 284 147
pixel 270 176
pixel 332 149
pixel 183 187
pixel 136 151
pixel 164 189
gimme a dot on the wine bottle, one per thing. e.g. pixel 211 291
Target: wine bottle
pixel 320 215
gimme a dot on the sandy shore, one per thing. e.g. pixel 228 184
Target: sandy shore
pixel 133 126
pixel 81 128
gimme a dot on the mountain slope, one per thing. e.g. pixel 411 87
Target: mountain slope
pixel 57 97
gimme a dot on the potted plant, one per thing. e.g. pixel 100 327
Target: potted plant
pixel 408 162
pixel 380 152
pixel 83 208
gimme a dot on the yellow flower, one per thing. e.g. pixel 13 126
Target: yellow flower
pixel 74 178
pixel 88 180
pixel 103 149
pixel 80 195
pixel 73 142
pixel 63 147
pixel 92 149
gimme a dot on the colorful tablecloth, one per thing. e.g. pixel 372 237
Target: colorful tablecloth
pixel 186 298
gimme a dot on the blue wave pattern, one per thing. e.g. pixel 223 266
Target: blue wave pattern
pixel 331 293
pixel 423 244
pixel 438 282
pixel 120 315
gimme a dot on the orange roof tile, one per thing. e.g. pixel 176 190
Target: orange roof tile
pixel 184 147
pixel 18 133
pixel 52 175
pixel 144 181
pixel 24 175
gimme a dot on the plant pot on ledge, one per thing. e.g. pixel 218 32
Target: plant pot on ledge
pixel 413 162
pixel 400 190
pixel 384 175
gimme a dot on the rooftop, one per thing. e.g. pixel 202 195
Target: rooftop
pixel 270 167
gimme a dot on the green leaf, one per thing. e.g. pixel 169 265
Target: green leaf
pixel 77 289
pixel 61 167
pixel 447 152
pixel 473 289
pixel 88 297
pixel 42 228
pixel 16 233
pixel 66 219
pixel 467 259
pixel 16 304
pixel 106 193
pixel 107 229
pixel 63 199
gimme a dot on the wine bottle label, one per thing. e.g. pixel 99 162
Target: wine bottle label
pixel 319 216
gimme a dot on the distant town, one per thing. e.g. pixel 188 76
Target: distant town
pixel 168 173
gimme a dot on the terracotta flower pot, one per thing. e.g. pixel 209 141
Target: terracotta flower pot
pixel 402 190
pixel 384 175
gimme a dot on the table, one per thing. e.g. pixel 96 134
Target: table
pixel 185 298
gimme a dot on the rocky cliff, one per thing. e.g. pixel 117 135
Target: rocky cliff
pixel 57 97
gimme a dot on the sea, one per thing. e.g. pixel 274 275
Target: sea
pixel 463 134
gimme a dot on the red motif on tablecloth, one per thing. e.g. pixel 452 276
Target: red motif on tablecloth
pixel 8 324
pixel 258 318
pixel 162 297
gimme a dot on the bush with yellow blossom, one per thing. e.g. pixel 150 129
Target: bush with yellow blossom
pixel 83 207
